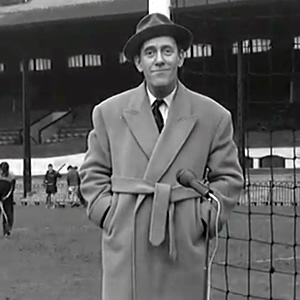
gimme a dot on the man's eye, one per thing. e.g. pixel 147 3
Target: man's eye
pixel 149 52
pixel 168 51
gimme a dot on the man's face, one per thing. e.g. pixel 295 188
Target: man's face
pixel 159 61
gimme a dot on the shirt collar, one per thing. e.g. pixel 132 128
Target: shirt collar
pixel 167 99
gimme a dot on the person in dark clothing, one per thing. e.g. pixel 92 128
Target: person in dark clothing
pixel 73 182
pixel 50 181
pixel 7 187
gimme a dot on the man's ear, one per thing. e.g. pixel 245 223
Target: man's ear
pixel 180 58
pixel 137 62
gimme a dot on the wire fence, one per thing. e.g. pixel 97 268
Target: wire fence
pixel 273 193
pixel 259 254
pixel 38 194
pixel 246 55
pixel 256 194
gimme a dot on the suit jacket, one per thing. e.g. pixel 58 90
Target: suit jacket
pixel 153 243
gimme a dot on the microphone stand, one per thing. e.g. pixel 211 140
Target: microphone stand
pixel 206 290
pixel 208 260
pixel 188 179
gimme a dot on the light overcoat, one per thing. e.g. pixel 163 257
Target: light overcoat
pixel 153 245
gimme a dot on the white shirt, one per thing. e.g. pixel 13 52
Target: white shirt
pixel 165 107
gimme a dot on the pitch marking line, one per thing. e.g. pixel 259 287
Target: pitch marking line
pixel 268 259
pixel 20 229
pixel 278 259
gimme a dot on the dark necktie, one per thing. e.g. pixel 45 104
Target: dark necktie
pixel 157 114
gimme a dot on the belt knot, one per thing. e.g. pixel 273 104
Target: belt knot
pixel 163 206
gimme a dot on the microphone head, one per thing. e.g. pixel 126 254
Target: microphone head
pixel 185 177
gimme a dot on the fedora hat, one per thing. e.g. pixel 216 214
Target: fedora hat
pixel 155 25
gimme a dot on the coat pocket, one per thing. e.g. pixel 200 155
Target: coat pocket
pixel 107 223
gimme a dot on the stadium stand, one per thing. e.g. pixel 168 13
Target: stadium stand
pixel 13 120
pixel 78 127
pixel 66 133
pixel 9 137
pixel 11 126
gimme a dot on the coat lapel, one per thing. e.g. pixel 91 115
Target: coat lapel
pixel 180 124
pixel 140 120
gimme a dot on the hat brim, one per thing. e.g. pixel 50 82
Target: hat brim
pixel 182 36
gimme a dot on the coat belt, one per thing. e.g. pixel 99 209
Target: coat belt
pixel 164 198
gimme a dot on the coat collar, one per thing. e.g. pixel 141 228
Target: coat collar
pixel 139 118
pixel 160 149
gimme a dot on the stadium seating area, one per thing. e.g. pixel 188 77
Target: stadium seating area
pixel 66 133
pixel 79 126
pixel 13 120
pixel 11 126
pixel 277 116
pixel 70 137
pixel 10 137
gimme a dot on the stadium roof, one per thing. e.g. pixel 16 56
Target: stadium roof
pixel 42 11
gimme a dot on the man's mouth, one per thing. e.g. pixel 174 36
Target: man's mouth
pixel 160 71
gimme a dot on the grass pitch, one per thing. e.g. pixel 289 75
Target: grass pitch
pixel 54 254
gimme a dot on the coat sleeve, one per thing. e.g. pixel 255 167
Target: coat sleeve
pixel 225 177
pixel 95 172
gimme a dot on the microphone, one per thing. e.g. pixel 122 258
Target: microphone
pixel 187 178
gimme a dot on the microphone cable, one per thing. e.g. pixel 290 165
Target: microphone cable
pixel 209 267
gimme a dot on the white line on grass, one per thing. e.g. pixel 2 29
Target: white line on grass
pixel 268 259
pixel 20 229
pixel 278 259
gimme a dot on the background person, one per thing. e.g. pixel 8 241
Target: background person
pixel 73 182
pixel 7 187
pixel 153 241
pixel 50 181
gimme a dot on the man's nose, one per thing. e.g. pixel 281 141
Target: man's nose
pixel 159 58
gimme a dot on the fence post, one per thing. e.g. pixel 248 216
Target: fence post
pixel 240 126
pixel 26 129
pixel 271 192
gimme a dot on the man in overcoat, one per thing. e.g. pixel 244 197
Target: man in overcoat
pixel 153 242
